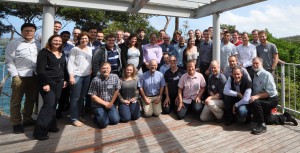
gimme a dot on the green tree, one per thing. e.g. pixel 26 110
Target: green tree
pixel 229 27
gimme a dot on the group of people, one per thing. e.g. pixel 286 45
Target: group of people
pixel 125 74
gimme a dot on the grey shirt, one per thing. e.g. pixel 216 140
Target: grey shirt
pixel 128 90
pixel 206 49
pixel 228 72
pixel 266 52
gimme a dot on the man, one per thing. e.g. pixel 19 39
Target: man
pixel 151 86
pixel 20 59
pixel 175 39
pixel 235 38
pixel 227 49
pixel 75 34
pixel 246 52
pixel 166 64
pixel 109 52
pixel 179 48
pixel 206 49
pixel 119 37
pixel 126 36
pixel 151 51
pixel 191 87
pixel 191 35
pixel 213 103
pixel 166 46
pixel 233 63
pixel 172 76
pixel 94 44
pixel 100 37
pixel 255 40
pixel 64 101
pixel 57 27
pixel 211 32
pixel 141 37
pixel 161 34
pixel 237 92
pixel 198 39
pixel 264 98
pixel 104 91
pixel 267 51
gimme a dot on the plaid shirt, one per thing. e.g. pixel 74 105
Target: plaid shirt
pixel 104 89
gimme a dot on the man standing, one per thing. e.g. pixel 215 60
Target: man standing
pixel 104 91
pixel 255 40
pixel 166 46
pixel 119 37
pixel 151 85
pixel 246 52
pixel 179 48
pixel 264 98
pixel 213 103
pixel 191 87
pixel 267 51
pixel 175 39
pixel 20 59
pixel 141 37
pixel 57 27
pixel 109 52
pixel 235 38
pixel 75 34
pixel 172 76
pixel 206 49
pixel 198 39
pixel 227 49
pixel 166 64
pixel 94 44
pixel 100 37
pixel 151 51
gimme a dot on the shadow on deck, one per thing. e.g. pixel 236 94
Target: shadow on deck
pixel 162 134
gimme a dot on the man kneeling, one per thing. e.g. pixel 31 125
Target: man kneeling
pixel 104 90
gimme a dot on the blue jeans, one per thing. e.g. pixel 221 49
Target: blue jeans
pixel 196 108
pixel 78 92
pixel 129 112
pixel 104 116
pixel 243 111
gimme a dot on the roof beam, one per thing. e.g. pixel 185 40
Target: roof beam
pixel 222 6
pixel 168 11
pixel 138 5
pixel 120 6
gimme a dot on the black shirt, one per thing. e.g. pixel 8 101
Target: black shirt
pixel 50 69
pixel 172 80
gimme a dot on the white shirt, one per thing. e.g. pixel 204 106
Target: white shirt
pixel 226 51
pixel 80 62
pixel 246 54
pixel 20 57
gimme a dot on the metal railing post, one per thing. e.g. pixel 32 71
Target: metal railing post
pixel 282 87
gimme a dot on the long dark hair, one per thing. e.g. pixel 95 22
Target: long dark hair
pixel 49 45
pixel 137 44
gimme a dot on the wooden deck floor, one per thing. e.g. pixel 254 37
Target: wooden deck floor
pixel 162 134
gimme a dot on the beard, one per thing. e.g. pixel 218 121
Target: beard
pixel 256 69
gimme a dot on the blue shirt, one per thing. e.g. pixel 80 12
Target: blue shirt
pixel 206 49
pixel 263 81
pixel 167 48
pixel 179 53
pixel 67 48
pixel 151 83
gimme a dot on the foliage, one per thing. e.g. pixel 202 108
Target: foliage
pixel 105 20
pixel 230 28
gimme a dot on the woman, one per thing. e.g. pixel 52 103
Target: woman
pixel 79 68
pixel 52 76
pixel 190 53
pixel 129 107
pixel 132 53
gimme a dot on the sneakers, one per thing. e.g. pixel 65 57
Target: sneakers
pixel 29 123
pixel 289 118
pixel 259 129
pixel 77 123
pixel 17 129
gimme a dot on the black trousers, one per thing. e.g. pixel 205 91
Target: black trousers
pixel 47 116
pixel 203 67
pixel 261 109
pixel 64 100
pixel 169 108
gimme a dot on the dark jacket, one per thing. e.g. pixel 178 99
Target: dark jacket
pixel 124 56
pixel 51 70
pixel 100 56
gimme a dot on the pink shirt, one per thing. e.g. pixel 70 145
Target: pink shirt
pixel 151 52
pixel 191 86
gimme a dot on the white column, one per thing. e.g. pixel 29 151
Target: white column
pixel 48 24
pixel 47 32
pixel 216 37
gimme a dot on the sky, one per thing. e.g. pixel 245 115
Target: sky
pixel 280 17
